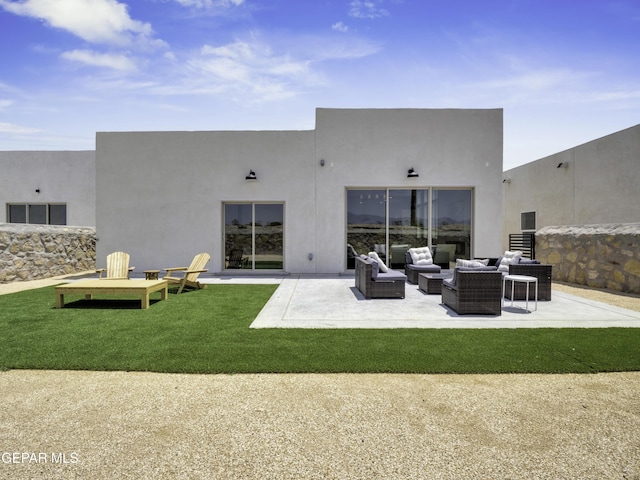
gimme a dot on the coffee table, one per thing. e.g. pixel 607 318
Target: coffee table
pixel 142 288
pixel 431 283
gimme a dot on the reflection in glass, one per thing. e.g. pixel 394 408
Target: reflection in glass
pixel 269 232
pixel 452 223
pixel 408 223
pixel 254 236
pixel 238 235
pixel 366 223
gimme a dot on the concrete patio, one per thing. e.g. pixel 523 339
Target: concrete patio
pixel 315 301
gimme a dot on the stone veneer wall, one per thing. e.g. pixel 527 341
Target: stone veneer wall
pixel 601 256
pixel 32 252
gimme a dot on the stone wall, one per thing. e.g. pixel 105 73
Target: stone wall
pixel 601 256
pixel 32 252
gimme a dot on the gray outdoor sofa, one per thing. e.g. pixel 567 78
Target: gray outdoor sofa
pixel 373 283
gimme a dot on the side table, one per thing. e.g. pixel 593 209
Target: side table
pixel 151 274
pixel 524 279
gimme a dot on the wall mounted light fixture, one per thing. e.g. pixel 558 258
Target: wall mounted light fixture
pixel 322 162
pixel 412 173
pixel 506 180
pixel 563 165
pixel 37 190
pixel 251 176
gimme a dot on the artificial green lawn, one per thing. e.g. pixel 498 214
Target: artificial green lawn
pixel 207 331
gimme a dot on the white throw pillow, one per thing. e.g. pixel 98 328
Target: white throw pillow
pixel 383 267
pixel 509 258
pixel 421 256
pixel 471 263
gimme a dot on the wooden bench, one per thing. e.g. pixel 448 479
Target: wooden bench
pixel 142 288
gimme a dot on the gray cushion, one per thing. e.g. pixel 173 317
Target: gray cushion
pixel 391 275
pixel 528 261
pixel 424 268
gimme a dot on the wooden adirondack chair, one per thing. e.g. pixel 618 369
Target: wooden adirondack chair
pixel 117 267
pixel 191 273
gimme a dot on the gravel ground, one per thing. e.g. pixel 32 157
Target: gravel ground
pixel 142 426
pixel 104 425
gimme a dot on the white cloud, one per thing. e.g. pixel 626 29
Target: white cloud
pixel 367 9
pixel 340 27
pixel 252 67
pixel 96 21
pixel 210 3
pixel 88 57
pixel 5 103
pixel 16 129
pixel 260 70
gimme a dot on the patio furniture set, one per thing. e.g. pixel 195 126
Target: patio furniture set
pixel 115 280
pixel 472 287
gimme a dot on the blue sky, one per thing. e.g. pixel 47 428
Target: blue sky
pixel 565 71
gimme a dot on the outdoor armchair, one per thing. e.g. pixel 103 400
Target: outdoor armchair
pixel 474 290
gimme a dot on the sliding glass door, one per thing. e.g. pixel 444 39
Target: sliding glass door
pixel 390 221
pixel 254 236
pixel 366 223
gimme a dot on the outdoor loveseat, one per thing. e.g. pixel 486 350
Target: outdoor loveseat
pixel 373 283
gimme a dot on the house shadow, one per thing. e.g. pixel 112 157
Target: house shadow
pixel 107 304
pixel 360 297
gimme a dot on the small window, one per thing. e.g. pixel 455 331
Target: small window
pixel 528 221
pixel 57 214
pixel 37 213
pixel 17 213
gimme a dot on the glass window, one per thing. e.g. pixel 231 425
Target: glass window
pixel 57 214
pixel 53 214
pixel 451 235
pixel 408 223
pixel 407 218
pixel 269 234
pixel 238 235
pixel 17 214
pixel 366 223
pixel 528 221
pixel 38 214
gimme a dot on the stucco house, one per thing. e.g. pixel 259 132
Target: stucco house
pixel 593 183
pixel 363 179
pixel 304 201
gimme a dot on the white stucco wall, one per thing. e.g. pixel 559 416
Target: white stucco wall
pixel 375 148
pixel 598 185
pixel 160 194
pixel 62 177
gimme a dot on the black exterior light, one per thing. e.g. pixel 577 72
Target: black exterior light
pixel 412 173
pixel 251 176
